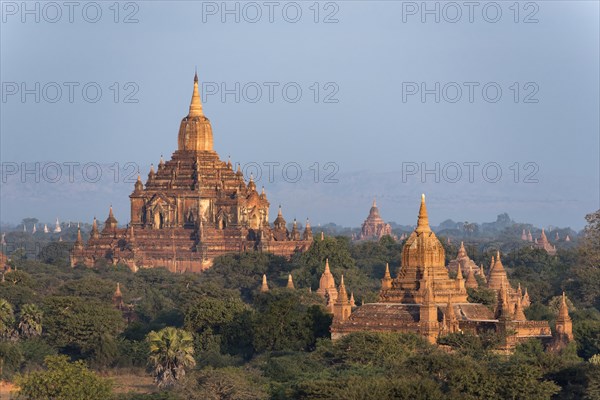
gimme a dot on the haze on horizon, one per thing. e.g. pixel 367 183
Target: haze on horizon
pixel 355 111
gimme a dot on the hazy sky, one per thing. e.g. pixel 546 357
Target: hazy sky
pixel 369 73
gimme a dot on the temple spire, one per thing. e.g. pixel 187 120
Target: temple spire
pixel 118 298
pixel 563 311
pixel 196 104
pixel 519 314
pixel 462 252
pixel 343 294
pixel 423 221
pixel 386 282
pixel 290 282
pixel 387 271
pixel 264 287
pixel 564 325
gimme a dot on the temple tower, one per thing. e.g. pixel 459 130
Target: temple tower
pixel 290 282
pixel 342 306
pixel 264 286
pixel 424 252
pixel 428 312
pixel 195 131
pixel 564 326
pixel 327 287
pixel 118 298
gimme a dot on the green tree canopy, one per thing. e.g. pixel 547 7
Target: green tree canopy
pixel 63 380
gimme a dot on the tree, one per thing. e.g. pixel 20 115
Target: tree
pixel 56 253
pixel 283 322
pixel 223 383
pixel 7 319
pixel 30 321
pixel 589 249
pixel 63 380
pixel 482 295
pixel 171 352
pixel 80 326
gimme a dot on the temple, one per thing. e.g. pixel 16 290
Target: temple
pixel 374 227
pixel 423 299
pixel 191 209
pixel 544 244
pixel 467 266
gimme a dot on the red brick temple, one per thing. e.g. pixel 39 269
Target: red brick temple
pixel 192 209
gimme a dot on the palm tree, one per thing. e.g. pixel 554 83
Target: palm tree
pixel 7 319
pixel 30 321
pixel 171 352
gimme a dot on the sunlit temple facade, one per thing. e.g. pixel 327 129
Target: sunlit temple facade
pixel 190 210
pixel 424 299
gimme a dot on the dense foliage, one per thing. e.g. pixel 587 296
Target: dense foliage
pixel 215 336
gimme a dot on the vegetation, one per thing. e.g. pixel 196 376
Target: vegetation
pixel 63 380
pixel 215 336
pixel 171 353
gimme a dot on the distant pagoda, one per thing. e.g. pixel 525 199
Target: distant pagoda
pixel 467 266
pixel 374 226
pixel 192 209
pixel 544 244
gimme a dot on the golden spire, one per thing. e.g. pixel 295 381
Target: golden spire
pixel 343 295
pixel 196 104
pixel 459 274
pixel 519 314
pixel 290 282
pixel 352 302
pixel 79 240
pixel 387 272
pixel 264 287
pixel 118 290
pixel 563 311
pixel 386 282
pixel 462 252
pixel 423 221
pixel 471 282
pixel 374 202
pixel 327 271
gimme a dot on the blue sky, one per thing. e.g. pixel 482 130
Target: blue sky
pixel 545 124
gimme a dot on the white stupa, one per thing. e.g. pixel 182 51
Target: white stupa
pixel 57 228
pixel 46 228
pixel 34 230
